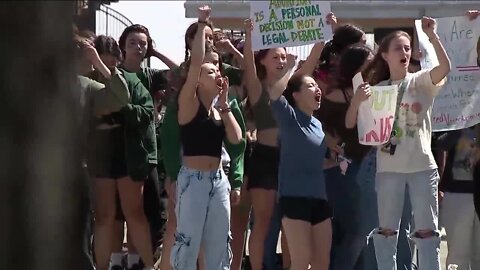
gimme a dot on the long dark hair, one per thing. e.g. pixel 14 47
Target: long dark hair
pixel 378 70
pixel 350 62
pixel 344 37
pixel 136 28
pixel 293 85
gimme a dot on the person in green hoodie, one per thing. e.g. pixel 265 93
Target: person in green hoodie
pixel 122 146
pixel 137 45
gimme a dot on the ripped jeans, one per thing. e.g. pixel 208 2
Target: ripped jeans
pixel 203 219
pixel 423 188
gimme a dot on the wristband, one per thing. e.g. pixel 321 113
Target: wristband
pixel 224 110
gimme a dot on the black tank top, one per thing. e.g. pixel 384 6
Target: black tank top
pixel 202 136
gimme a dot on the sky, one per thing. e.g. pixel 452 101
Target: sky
pixel 166 22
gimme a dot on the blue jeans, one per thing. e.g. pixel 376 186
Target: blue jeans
pixel 203 218
pixel 391 189
pixel 369 218
pixel 344 194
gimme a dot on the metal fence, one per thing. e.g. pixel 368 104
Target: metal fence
pixel 110 22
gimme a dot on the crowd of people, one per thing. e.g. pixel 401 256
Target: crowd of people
pixel 233 139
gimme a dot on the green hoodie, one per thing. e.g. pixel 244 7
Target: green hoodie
pixel 137 108
pixel 171 150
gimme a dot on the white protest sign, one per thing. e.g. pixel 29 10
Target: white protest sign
pixel 289 23
pixel 365 117
pixel 457 105
pixel 382 105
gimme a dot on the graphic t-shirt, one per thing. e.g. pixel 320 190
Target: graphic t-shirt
pixel 413 152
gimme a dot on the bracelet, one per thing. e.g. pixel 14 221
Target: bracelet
pixel 224 110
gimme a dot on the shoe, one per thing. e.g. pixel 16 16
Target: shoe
pixel 136 267
pixel 116 267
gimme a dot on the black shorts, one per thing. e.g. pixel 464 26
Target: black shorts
pixel 263 171
pixel 106 158
pixel 307 209
pixel 247 158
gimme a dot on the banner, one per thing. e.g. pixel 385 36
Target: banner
pixel 457 105
pixel 375 121
pixel 289 23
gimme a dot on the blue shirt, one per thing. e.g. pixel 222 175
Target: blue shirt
pixel 302 150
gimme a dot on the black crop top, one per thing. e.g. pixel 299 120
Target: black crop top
pixel 332 116
pixel 202 136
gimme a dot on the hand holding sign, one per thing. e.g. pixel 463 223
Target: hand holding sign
pixel 248 25
pixel 204 13
pixel 362 93
pixel 429 26
pixel 332 20
pixel 473 14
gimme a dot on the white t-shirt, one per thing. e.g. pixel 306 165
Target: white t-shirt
pixel 413 152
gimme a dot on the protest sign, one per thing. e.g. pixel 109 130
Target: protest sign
pixel 457 105
pixel 289 23
pixel 375 119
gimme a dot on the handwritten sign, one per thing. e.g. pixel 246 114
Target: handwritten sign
pixel 289 23
pixel 375 126
pixel 457 105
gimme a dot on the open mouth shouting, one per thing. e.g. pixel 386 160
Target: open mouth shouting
pixel 404 61
pixel 318 97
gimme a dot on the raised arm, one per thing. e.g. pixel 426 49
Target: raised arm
pixel 92 56
pixel 311 62
pixel 232 128
pixel 251 80
pixel 439 72
pixel 276 90
pixel 167 61
pixel 186 100
pixel 225 45
pixel 363 93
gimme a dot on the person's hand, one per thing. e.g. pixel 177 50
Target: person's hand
pixel 363 93
pixel 332 20
pixel 204 13
pixel 429 26
pixel 171 190
pixel 90 52
pixel 440 195
pixel 223 85
pixel 291 60
pixel 248 25
pixel 473 14
pixel 235 197
pixel 224 44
